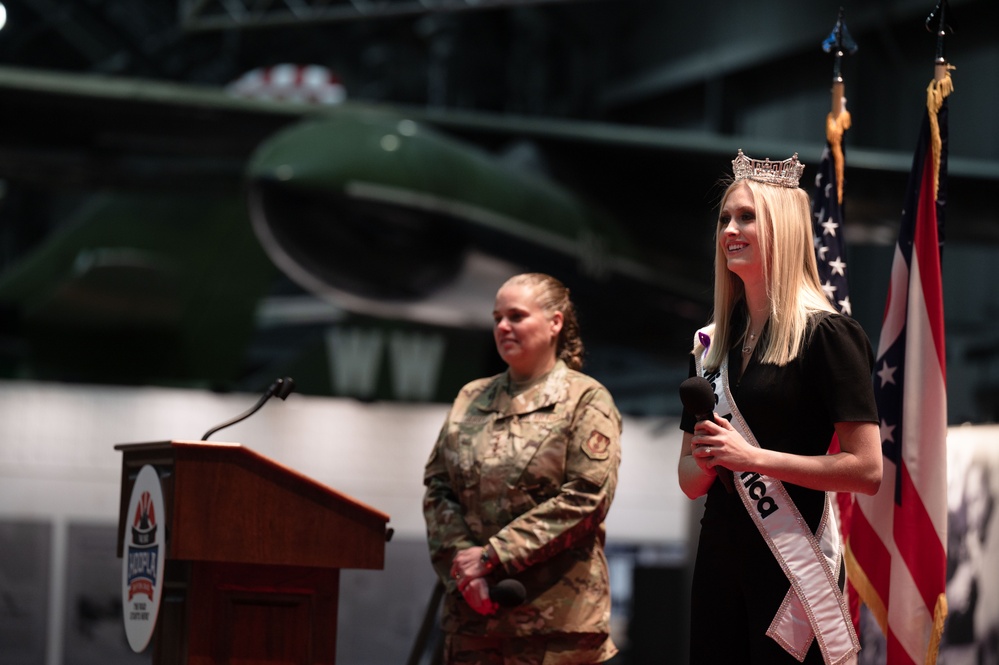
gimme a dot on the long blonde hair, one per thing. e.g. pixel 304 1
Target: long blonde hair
pixel 553 296
pixel 784 234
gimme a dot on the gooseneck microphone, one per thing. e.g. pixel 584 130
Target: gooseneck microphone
pixel 698 398
pixel 508 593
pixel 281 388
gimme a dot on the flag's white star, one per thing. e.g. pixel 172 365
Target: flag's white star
pixel 844 306
pixel 829 289
pixel 886 374
pixel 830 227
pixel 887 432
pixel 838 267
pixel 822 252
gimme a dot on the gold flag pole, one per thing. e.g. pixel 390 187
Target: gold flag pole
pixel 839 43
pixel 941 86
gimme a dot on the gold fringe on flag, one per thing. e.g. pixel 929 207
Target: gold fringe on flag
pixel 858 578
pixel 940 87
pixel 939 616
pixel 937 91
pixel 835 127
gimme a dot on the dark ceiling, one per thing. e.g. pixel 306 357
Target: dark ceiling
pixel 708 74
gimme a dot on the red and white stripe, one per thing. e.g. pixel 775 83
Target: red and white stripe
pixel 901 548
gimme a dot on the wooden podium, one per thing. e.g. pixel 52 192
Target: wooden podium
pixel 254 552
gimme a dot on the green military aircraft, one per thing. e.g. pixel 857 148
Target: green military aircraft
pixel 207 240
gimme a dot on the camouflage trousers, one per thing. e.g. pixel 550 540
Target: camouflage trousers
pixel 559 649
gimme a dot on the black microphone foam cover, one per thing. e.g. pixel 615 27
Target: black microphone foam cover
pixel 508 593
pixel 286 386
pixel 698 397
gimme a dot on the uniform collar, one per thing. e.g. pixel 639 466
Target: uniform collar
pixel 545 392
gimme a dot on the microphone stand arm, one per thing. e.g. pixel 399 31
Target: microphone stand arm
pixel 282 388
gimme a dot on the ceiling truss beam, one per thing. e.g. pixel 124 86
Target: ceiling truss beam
pixel 208 15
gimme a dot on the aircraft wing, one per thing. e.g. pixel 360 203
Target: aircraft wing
pixel 104 131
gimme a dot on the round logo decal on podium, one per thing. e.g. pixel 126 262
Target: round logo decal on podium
pixel 144 546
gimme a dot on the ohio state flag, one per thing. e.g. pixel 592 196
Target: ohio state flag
pixel 896 551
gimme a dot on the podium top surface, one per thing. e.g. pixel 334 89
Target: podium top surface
pixel 232 452
pixel 226 502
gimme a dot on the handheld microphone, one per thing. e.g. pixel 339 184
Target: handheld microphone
pixel 698 398
pixel 281 388
pixel 508 593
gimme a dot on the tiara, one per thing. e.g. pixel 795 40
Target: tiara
pixel 783 174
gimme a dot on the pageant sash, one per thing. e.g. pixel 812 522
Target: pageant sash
pixel 813 606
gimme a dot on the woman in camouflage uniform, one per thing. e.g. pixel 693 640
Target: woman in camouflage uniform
pixel 518 485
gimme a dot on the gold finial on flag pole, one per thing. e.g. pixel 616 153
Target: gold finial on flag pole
pixel 839 43
pixel 941 86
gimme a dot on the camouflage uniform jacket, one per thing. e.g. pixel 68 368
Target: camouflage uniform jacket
pixel 534 476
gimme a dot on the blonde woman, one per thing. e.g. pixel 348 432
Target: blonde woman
pixel 787 373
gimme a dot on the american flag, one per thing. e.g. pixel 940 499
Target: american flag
pixel 896 553
pixel 827 231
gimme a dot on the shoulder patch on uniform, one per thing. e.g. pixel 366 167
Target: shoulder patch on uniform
pixel 597 446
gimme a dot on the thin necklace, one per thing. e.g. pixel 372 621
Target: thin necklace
pixel 750 344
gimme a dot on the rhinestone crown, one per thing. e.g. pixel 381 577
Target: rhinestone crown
pixel 783 174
